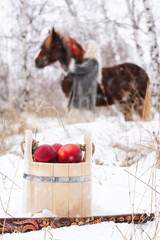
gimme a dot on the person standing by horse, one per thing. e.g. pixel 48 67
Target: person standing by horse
pixel 85 77
pixel 126 85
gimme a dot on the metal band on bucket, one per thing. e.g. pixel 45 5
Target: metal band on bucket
pixel 57 179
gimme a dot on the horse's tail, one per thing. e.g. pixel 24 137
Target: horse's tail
pixel 147 104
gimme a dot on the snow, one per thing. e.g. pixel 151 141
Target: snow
pixel 117 188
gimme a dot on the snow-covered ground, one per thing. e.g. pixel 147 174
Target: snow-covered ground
pixel 125 178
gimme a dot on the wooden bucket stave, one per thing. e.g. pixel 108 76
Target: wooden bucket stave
pixel 64 189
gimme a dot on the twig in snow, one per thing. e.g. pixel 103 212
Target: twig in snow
pixel 4 209
pixel 142 181
pixel 9 201
pixel 10 179
pixel 121 233
pixel 42 107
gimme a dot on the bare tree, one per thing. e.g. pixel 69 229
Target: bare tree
pixel 4 73
pixel 4 86
pixel 113 34
pixel 154 52
pixel 24 33
pixel 78 26
pixel 135 28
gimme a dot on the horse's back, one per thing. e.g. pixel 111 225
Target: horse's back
pixel 122 78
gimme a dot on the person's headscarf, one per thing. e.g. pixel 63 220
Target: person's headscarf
pixel 93 51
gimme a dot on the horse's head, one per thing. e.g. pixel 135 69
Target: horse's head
pixel 57 47
pixel 51 50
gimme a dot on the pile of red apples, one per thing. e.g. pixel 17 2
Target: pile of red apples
pixel 58 153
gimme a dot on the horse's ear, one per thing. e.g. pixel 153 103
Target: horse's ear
pixel 54 35
pixel 53 31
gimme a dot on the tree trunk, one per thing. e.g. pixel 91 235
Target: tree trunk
pixel 25 74
pixel 113 34
pixel 81 31
pixel 154 54
pixel 136 32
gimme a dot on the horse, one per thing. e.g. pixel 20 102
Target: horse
pixel 126 84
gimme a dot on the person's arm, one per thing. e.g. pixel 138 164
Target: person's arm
pixel 85 67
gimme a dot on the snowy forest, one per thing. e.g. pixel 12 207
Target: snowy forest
pixel 126 31
pixel 125 163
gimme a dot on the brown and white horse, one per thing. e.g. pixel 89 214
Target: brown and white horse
pixel 125 84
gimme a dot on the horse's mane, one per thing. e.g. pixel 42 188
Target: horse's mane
pixel 70 44
pixel 62 34
pixel 48 39
pixel 63 38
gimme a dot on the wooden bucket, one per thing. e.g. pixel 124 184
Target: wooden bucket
pixel 64 189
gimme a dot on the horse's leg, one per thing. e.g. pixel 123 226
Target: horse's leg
pixel 126 109
pixel 142 106
pixel 100 96
pixel 138 105
pixel 66 85
pixel 70 99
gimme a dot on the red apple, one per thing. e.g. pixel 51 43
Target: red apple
pixel 45 153
pixel 56 147
pixel 70 153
